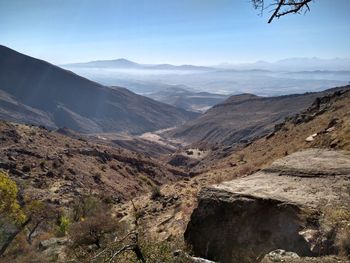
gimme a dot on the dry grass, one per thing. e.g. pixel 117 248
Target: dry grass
pixel 343 242
pixel 338 219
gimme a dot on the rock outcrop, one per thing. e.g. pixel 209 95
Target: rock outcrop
pixel 54 249
pixel 281 207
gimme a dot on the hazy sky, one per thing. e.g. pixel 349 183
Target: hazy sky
pixel 171 31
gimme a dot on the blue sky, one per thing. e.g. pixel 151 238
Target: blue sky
pixel 171 31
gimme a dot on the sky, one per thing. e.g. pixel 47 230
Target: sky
pixel 200 32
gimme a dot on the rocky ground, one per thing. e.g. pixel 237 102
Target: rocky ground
pixel 56 168
pixel 291 257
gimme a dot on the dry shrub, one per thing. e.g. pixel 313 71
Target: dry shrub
pixel 246 170
pixel 338 218
pixel 155 192
pixel 218 178
pixel 241 157
pixel 343 242
pixel 21 251
pixel 92 231
pixel 155 252
pixel 19 247
pixel 32 257
pixel 86 206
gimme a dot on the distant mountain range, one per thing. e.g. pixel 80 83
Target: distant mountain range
pixel 289 64
pixel 34 91
pixel 295 64
pixel 122 63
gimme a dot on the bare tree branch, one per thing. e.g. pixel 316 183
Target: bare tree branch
pixel 125 248
pixel 282 7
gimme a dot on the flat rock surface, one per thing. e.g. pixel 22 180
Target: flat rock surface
pixel 313 162
pixel 312 178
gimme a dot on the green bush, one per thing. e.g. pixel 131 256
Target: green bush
pixel 9 206
pixel 63 225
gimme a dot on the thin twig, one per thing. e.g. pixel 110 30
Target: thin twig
pixel 125 248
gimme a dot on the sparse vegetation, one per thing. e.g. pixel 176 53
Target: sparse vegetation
pixel 343 241
pixel 97 177
pixel 92 230
pixel 338 220
pixel 63 225
pixel 24 219
pixel 9 205
pixel 86 206
pixel 155 192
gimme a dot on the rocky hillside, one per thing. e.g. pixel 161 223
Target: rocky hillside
pixel 328 117
pixel 72 166
pixel 242 118
pixel 34 91
pixel 55 168
pixel 326 124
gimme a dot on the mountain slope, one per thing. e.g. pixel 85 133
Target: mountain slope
pixel 34 91
pixel 57 167
pixel 241 118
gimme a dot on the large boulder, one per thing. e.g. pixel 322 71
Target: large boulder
pixel 54 249
pixel 281 207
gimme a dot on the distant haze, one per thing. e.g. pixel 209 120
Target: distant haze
pixel 296 64
pixel 294 75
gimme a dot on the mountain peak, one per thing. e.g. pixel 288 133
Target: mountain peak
pixel 34 91
pixel 119 60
